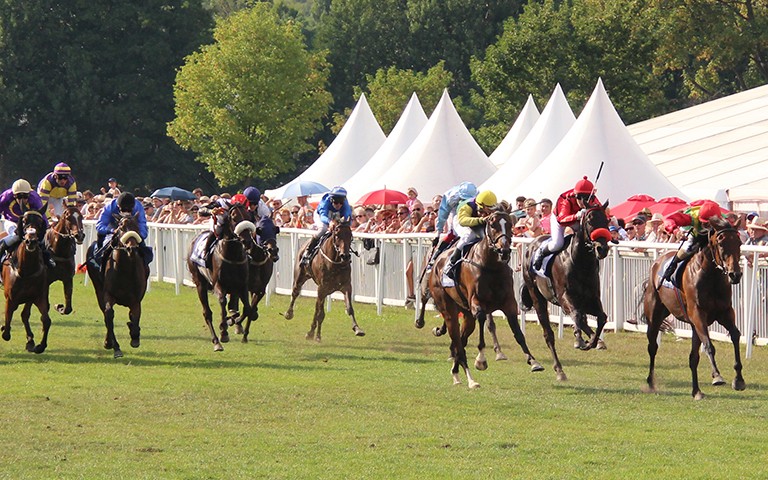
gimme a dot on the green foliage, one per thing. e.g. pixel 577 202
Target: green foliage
pixel 247 103
pixel 377 407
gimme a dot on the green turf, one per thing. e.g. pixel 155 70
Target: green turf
pixel 382 406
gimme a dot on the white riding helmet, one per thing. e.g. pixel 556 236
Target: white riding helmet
pixel 21 186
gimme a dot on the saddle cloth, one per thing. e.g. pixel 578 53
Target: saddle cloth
pixel 677 277
pixel 198 251
pixel 546 266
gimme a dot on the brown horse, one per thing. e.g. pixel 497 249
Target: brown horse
pixel 62 240
pixel 574 283
pixel 228 274
pixel 25 280
pixel 485 284
pixel 331 270
pixel 703 298
pixel 122 282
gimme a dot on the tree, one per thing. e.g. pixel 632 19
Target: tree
pixel 248 103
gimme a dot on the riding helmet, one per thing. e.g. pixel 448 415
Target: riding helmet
pixel 241 199
pixel 707 210
pixel 486 198
pixel 62 169
pixel 252 194
pixel 338 194
pixel 21 186
pixel 126 202
pixel 584 186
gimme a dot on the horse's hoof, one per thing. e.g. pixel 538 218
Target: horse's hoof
pixel 419 323
pixel 244 340
pixel 601 345
pixel 698 395
pixel 536 367
pixel 40 348
pixel 561 377
pixel 317 339
pixel 238 329
pixel 359 332
pixel 580 344
pixel 30 346
pixel 437 332
pixel 224 337
pixel 135 342
pixel 217 347
pixel 718 380
pixel 739 384
pixel 288 315
pixel 501 356
pixel 107 345
pixel 6 334
pixel 118 353
pixel 481 365
pixel 473 384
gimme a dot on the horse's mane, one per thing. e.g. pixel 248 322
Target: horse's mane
pixel 720 223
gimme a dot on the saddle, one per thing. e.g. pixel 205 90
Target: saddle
pixel 676 281
pixel 316 249
pixel 549 260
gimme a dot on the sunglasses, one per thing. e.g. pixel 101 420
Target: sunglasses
pixel 22 195
pixel 359 216
pixel 295 212
pixel 417 209
pixel 629 229
pixel 61 177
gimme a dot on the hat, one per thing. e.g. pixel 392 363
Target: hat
pixel 112 179
pixel 62 169
pixel 529 203
pixel 638 220
pixel 521 224
pixel 756 223
pixel 147 202
pixel 613 228
pixel 657 217
pixel 751 215
pixel 412 189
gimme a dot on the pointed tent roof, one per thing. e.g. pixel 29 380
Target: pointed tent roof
pixel 599 135
pixel 443 155
pixel 554 122
pixel 360 137
pixel 520 129
pixel 411 122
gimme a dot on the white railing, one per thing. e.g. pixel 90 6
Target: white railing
pixel 622 275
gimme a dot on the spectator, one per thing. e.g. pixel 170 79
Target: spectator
pixel 655 227
pixel 639 223
pixel 283 219
pixel 614 233
pixel 519 207
pixel 296 217
pixel 546 213
pixel 531 219
pixel 149 208
pixel 58 189
pixel 436 200
pixel 427 223
pixel 112 189
pixel 412 224
pixel 758 235
pixel 203 216
pixel 197 192
pixel 309 219
pixel 403 218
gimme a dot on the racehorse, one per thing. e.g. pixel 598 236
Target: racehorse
pixel 331 270
pixel 262 255
pixel 228 274
pixel 574 282
pixel 25 280
pixel 704 296
pixel 484 284
pixel 123 280
pixel 62 240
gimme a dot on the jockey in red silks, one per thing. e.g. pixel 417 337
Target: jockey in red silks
pixel 696 221
pixel 569 208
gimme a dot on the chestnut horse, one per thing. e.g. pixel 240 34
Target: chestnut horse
pixel 331 270
pixel 484 284
pixel 122 282
pixel 228 274
pixel 25 280
pixel 574 282
pixel 62 240
pixel 703 298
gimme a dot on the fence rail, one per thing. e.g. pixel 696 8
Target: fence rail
pixel 384 282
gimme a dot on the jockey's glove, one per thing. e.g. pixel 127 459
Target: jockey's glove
pixel 580 214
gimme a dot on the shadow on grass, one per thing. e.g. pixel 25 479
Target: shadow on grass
pixel 672 388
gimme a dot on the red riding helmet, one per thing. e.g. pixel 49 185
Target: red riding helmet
pixel 241 199
pixel 584 186
pixel 708 210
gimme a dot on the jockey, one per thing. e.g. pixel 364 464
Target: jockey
pixel 570 207
pixel 14 202
pixel 257 207
pixel 468 224
pixel 696 221
pixel 448 204
pixel 108 222
pixel 58 189
pixel 333 204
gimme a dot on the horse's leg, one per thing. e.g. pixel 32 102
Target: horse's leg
pixel 701 330
pixel 733 331
pixel 134 327
pixel 425 296
pixel 480 316
pixel 317 318
pixel 109 322
pixel 510 311
pixel 223 333
pixel 350 311
pixel 10 307
pixel 66 308
pixel 43 306
pixel 693 364
pixel 25 314
pixel 540 305
pixel 496 345
pixel 301 278
pixel 255 299
pixel 655 312
pixel 467 327
pixel 202 295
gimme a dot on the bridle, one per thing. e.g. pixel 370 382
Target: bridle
pixel 715 237
pixel 337 251
pixel 585 232
pixel 65 223
pixel 503 250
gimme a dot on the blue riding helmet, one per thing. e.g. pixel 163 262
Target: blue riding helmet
pixel 252 194
pixel 338 192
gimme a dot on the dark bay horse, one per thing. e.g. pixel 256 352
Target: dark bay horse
pixel 704 297
pixel 25 280
pixel 62 240
pixel 331 270
pixel 575 281
pixel 485 284
pixel 122 282
pixel 228 274
pixel 262 255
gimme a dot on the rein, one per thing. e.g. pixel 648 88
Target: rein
pixel 716 258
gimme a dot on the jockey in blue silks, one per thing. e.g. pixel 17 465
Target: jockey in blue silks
pixel 333 204
pixel 448 205
pixel 108 223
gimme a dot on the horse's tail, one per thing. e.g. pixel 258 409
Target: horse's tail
pixel 526 302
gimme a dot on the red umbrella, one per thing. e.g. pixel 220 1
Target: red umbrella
pixel 632 205
pixel 382 197
pixel 668 205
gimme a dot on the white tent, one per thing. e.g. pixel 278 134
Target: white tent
pixel 554 122
pixel 411 122
pixel 443 155
pixel 716 148
pixel 599 135
pixel 357 141
pixel 520 129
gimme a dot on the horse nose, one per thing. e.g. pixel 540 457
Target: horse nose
pixel 734 277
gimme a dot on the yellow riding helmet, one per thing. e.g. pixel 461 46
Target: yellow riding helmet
pixel 486 198
pixel 21 186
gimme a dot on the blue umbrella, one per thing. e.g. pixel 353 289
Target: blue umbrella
pixel 174 193
pixel 302 188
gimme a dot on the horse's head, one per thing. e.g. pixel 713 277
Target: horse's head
pixel 244 232
pixel 237 213
pixel 127 231
pixel 341 238
pixel 266 236
pixel 71 225
pixel 594 230
pixel 498 231
pixel 725 244
pixel 32 224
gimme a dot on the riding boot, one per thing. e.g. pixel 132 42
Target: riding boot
pixel 667 276
pixel 540 255
pixel 3 250
pixel 48 258
pixel 449 274
pixel 309 251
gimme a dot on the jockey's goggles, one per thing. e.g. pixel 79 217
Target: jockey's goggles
pixel 22 196
pixel 337 199
pixel 61 177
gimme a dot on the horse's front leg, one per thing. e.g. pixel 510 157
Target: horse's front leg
pixel 693 364
pixel 298 282
pixel 479 313
pixel 110 341
pixel 25 314
pixel 43 307
pixel 540 305
pixel 425 296
pixel 351 310
pixel 255 299
pixel 223 333
pixel 10 307
pixel 202 295
pixel 317 318
pixel 134 326
pixel 66 308
pixel 510 311
pixel 733 331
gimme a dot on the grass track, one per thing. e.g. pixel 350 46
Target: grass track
pixel 377 407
